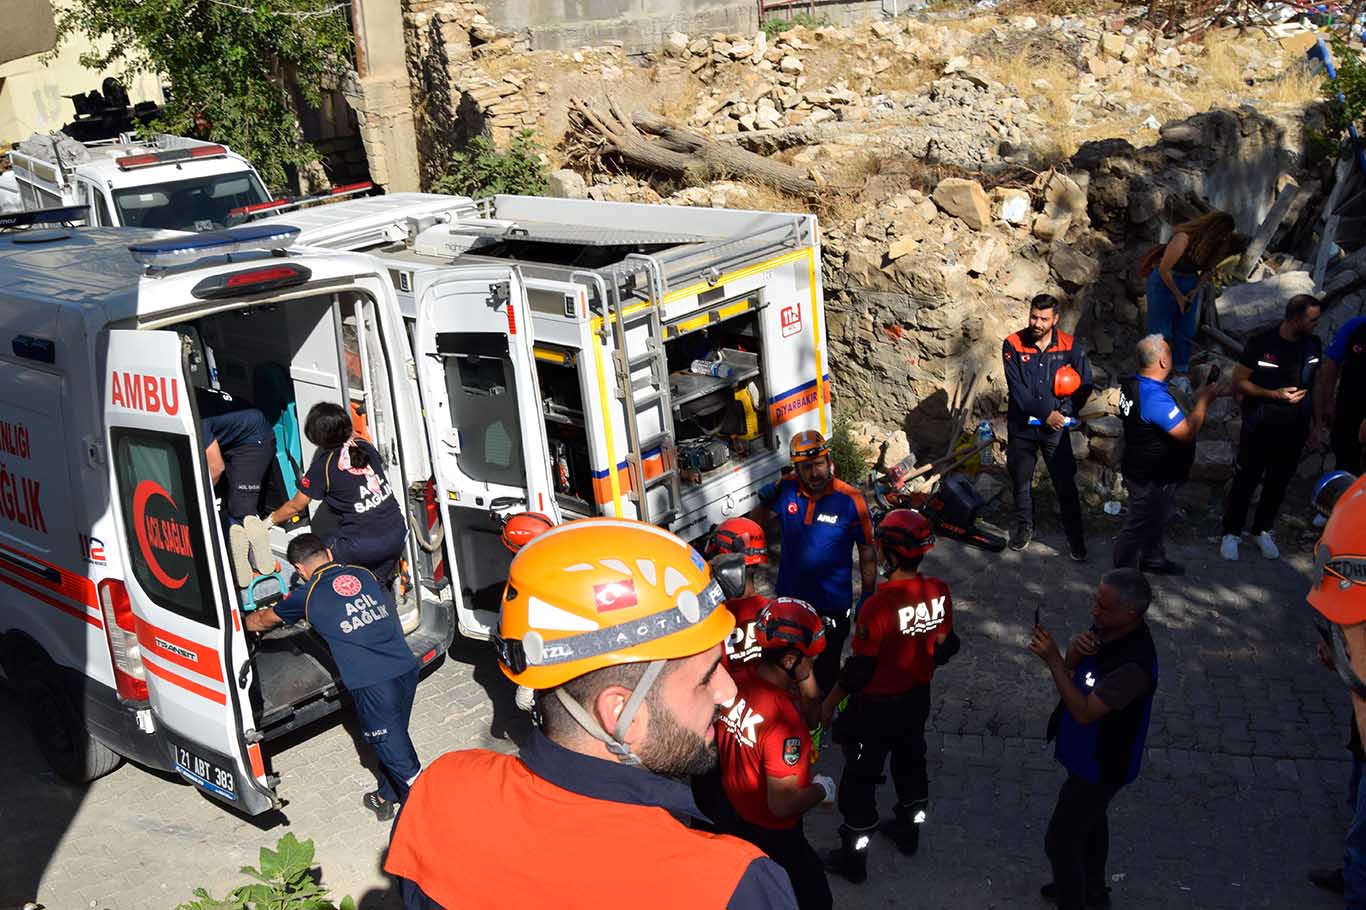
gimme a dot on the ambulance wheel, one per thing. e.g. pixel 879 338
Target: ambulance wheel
pixel 59 728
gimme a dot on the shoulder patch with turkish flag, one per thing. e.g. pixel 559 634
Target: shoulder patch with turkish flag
pixel 792 750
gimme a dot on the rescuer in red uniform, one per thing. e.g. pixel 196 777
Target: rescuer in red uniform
pixel 765 749
pixel 901 635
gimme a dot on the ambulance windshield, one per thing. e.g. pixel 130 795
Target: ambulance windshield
pixel 199 204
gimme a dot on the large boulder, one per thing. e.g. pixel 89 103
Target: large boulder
pixel 1072 267
pixel 965 200
pixel 1243 308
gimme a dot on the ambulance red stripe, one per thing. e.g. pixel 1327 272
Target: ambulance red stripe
pixel 70 585
pixel 173 648
pixel 188 685
pixel 64 607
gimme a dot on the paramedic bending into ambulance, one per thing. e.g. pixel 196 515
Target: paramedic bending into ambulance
pixel 346 474
pixel 346 606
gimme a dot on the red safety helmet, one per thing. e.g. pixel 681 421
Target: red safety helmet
pixel 808 445
pixel 1340 560
pixel 1066 381
pixel 905 533
pixel 523 526
pixel 739 535
pixel 790 623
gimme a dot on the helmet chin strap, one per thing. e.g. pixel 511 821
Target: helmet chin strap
pixel 1344 665
pixel 615 741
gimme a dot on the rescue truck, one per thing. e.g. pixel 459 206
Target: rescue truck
pixel 582 358
pixel 167 182
pixel 572 357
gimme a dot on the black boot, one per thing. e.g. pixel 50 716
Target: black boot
pixel 851 858
pixel 904 829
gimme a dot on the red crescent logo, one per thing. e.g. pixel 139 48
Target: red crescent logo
pixel 145 491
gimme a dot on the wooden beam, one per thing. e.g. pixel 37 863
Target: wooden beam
pixel 1325 248
pixel 1270 224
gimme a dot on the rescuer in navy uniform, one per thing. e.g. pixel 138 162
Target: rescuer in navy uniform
pixel 351 611
pixel 1106 683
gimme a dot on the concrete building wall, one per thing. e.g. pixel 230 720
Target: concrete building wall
pixel 639 24
pixel 33 95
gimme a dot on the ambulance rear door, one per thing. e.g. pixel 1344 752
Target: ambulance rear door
pixel 477 374
pixel 188 626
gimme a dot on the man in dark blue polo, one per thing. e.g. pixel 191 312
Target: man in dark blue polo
pixel 1105 685
pixel 823 521
pixel 349 608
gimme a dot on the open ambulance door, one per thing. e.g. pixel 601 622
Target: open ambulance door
pixel 188 626
pixel 477 375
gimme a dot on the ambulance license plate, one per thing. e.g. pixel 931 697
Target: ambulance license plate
pixel 205 774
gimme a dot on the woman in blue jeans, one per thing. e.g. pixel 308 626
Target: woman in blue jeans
pixel 1182 265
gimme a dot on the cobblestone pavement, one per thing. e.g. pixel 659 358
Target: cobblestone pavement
pixel 1242 790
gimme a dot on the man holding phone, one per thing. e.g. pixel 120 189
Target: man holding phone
pixel 1275 374
pixel 1159 449
pixel 1106 684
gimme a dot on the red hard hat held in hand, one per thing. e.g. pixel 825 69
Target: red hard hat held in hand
pixel 1066 382
pixel 523 526
pixel 790 623
pixel 739 535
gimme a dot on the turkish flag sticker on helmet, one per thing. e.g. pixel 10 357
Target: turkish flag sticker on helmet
pixel 615 595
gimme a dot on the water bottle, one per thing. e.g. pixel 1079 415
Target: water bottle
pixel 718 368
pixel 984 435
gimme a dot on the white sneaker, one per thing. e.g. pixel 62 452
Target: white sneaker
pixel 1267 544
pixel 1228 547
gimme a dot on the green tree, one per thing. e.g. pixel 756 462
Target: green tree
pixel 230 61
pixel 480 169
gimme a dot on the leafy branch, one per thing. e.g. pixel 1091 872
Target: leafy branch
pixel 235 65
pixel 284 881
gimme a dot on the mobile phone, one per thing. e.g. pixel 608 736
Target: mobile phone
pixel 1036 617
pixel 1213 376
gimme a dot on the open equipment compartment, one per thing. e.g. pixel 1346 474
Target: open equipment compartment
pixel 624 298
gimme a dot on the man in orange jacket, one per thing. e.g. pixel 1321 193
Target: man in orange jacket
pixel 619 628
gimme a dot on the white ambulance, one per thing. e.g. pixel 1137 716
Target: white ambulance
pixel 120 622
pixel 575 358
pixel 620 300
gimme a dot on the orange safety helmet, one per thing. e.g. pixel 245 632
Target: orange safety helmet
pixel 1340 560
pixel 598 592
pixel 739 535
pixel 520 528
pixel 905 533
pixel 787 622
pixel 808 445
pixel 1066 381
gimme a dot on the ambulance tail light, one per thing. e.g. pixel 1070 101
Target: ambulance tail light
pixel 252 281
pixel 133 162
pixel 130 678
